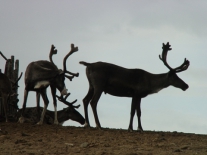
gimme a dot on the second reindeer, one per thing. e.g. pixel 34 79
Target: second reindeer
pixel 41 74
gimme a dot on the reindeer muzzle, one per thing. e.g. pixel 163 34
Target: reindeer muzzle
pixel 185 87
pixel 64 91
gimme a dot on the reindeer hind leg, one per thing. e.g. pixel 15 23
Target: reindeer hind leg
pixel 86 101
pixel 94 102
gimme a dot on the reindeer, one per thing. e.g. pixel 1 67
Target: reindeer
pixel 6 87
pixel 122 82
pixel 41 74
pixel 63 115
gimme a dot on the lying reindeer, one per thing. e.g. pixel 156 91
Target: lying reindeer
pixel 31 114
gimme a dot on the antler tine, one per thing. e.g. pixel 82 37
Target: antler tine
pixel 163 58
pixel 74 101
pixel 77 106
pixel 74 74
pixel 182 67
pixel 52 51
pixel 73 49
pixel 69 77
pixel 67 96
pixel 60 98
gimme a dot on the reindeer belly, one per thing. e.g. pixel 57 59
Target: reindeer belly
pixel 41 84
pixel 119 91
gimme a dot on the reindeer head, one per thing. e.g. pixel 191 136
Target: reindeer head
pixel 174 80
pixel 71 112
pixel 60 78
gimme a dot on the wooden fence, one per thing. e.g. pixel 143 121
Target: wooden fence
pixel 12 71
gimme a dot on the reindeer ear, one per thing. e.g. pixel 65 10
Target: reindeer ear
pixel 60 71
pixel 67 109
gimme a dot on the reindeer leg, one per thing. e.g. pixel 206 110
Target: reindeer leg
pixel 22 119
pixel 46 102
pixel 94 101
pixel 133 107
pixel 53 90
pixel 86 101
pixel 38 105
pixel 138 109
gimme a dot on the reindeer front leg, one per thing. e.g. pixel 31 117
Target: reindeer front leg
pixel 53 90
pixel 138 109
pixel 46 102
pixel 135 105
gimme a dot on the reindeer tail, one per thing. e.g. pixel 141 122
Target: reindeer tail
pixel 84 63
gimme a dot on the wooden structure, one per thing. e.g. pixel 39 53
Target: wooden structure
pixel 12 71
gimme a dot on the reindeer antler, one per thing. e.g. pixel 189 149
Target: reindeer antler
pixel 70 104
pixel 73 49
pixel 183 67
pixel 52 51
pixel 166 48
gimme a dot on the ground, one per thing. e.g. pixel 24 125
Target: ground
pixel 28 139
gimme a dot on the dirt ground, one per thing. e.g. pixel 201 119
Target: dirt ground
pixel 28 139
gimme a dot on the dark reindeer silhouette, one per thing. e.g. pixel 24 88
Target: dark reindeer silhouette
pixel 41 74
pixel 122 82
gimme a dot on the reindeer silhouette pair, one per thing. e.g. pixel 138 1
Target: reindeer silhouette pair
pixel 41 74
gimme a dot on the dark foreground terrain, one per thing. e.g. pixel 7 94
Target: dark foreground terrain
pixel 27 139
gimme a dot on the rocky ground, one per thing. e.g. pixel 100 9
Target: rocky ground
pixel 28 139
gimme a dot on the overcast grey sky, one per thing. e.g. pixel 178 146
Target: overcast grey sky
pixel 127 33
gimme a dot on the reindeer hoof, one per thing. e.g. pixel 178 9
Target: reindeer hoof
pixel 21 120
pixel 140 130
pixel 130 130
pixel 40 123
pixel 56 122
pixel 99 128
pixel 87 125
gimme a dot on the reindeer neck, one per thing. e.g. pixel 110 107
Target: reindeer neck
pixel 159 82
pixel 62 116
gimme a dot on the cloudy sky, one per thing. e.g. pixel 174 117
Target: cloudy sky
pixel 126 33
